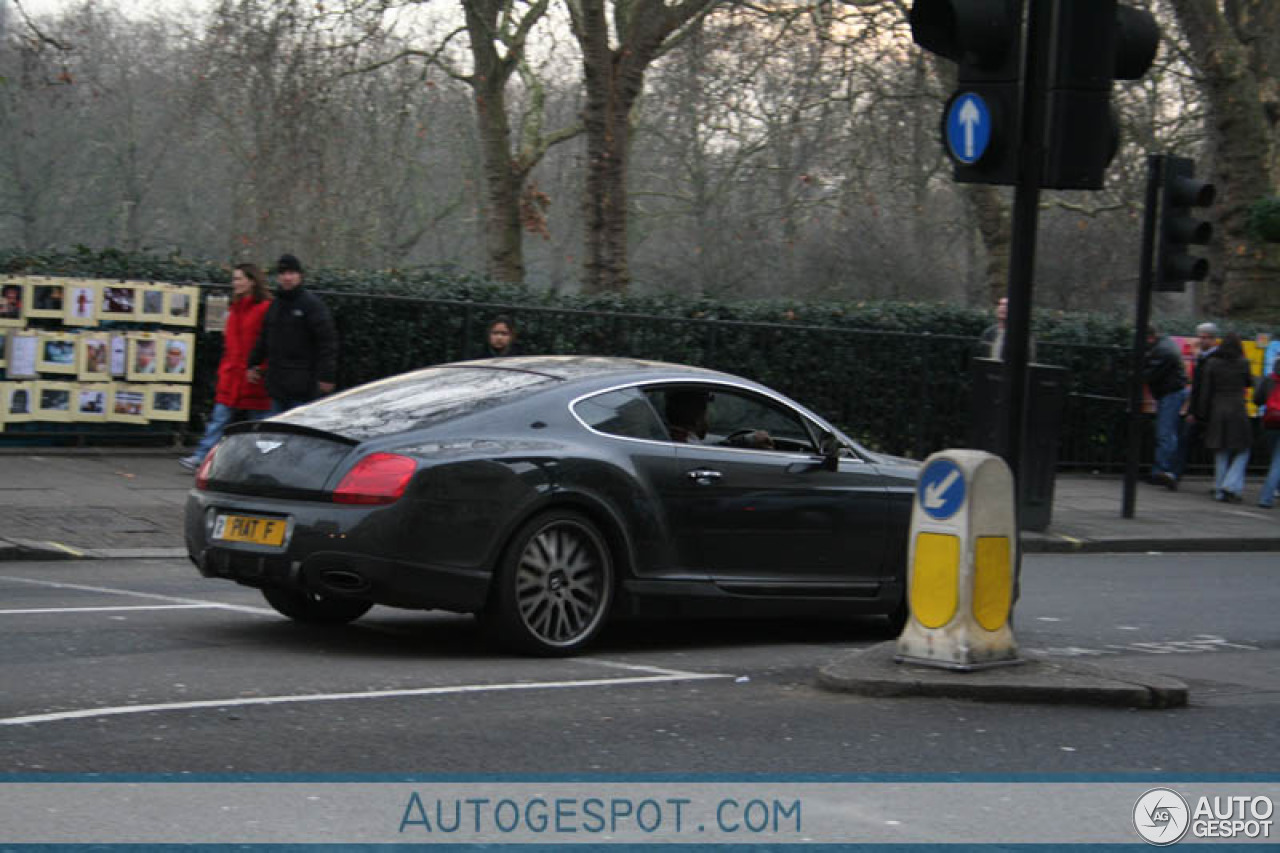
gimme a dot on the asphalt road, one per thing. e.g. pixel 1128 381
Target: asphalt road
pixel 142 666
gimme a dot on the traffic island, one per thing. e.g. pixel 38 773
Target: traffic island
pixel 876 672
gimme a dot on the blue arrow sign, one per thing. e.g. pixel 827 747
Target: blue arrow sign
pixel 968 127
pixel 941 489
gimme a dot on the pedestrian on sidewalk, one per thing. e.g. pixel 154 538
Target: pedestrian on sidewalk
pixel 500 338
pixel 237 396
pixel 1192 428
pixel 1166 379
pixel 991 344
pixel 298 347
pixel 1267 395
pixel 1221 407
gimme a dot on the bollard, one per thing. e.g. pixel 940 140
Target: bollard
pixel 961 562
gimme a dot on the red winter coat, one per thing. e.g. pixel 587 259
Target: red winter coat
pixel 244 322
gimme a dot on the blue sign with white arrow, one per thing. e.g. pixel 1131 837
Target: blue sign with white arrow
pixel 968 127
pixel 941 490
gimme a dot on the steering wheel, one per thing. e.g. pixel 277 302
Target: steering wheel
pixel 740 438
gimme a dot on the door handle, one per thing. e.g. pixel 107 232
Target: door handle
pixel 704 476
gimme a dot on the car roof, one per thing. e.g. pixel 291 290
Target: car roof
pixel 585 367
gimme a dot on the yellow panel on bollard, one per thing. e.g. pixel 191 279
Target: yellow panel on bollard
pixel 962 559
pixel 992 581
pixel 935 573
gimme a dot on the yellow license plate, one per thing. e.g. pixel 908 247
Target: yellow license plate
pixel 247 528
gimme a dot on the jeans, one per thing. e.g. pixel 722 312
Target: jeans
pixel 1228 466
pixel 218 420
pixel 1168 425
pixel 1268 496
pixel 1192 435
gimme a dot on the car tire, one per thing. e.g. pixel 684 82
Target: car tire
pixel 313 609
pixel 554 587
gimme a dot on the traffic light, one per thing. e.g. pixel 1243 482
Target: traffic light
pixel 1093 43
pixel 1179 228
pixel 980 124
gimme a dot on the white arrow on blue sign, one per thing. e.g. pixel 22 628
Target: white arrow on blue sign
pixel 968 127
pixel 941 489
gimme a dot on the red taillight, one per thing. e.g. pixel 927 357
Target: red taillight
pixel 379 478
pixel 202 474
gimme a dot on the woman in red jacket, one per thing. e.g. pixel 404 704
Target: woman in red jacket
pixel 237 397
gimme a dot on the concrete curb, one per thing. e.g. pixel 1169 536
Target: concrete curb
pixel 874 672
pixel 1070 545
pixel 35 551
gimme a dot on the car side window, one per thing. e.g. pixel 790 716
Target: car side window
pixel 625 412
pixel 735 419
pixel 733 413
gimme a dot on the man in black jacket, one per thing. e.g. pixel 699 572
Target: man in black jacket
pixel 1193 430
pixel 1167 380
pixel 298 343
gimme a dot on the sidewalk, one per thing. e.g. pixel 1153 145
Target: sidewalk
pixel 98 504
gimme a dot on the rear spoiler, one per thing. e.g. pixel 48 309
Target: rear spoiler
pixel 286 427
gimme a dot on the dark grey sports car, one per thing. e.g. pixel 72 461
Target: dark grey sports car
pixel 550 494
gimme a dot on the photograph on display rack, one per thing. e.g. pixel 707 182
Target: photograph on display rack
pixel 46 300
pixel 95 360
pixel 119 303
pixel 92 401
pixel 79 305
pixel 18 402
pixel 11 296
pixel 143 362
pixel 57 353
pixel 151 305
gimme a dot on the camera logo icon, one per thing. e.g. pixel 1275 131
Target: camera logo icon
pixel 1161 816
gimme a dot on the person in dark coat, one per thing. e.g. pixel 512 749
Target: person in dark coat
pixel 1221 407
pixel 1192 429
pixel 299 343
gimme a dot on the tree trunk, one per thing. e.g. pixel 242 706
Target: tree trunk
pixel 1237 71
pixel 995 227
pixel 614 79
pixel 504 240
pixel 608 128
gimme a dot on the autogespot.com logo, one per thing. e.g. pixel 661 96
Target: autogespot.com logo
pixel 1161 816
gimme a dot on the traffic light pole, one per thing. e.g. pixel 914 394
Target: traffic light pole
pixel 1026 217
pixel 1146 275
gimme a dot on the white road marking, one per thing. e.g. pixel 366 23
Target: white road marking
pixel 85 713
pixel 636 667
pixel 240 608
pixel 104 609
pixel 657 674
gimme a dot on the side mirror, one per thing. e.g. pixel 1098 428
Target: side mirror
pixel 830 449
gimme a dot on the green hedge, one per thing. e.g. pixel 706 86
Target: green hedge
pixel 893 374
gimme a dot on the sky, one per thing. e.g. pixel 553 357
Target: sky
pixel 47 7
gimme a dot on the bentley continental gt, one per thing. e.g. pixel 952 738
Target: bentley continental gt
pixel 549 495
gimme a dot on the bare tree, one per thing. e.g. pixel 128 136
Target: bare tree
pixel 1236 52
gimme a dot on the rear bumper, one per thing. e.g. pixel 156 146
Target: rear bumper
pixel 334 552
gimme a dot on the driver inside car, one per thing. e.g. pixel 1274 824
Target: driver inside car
pixel 687 422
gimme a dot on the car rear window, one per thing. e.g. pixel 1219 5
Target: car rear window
pixel 415 400
pixel 626 412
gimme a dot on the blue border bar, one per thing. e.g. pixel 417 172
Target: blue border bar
pixel 648 778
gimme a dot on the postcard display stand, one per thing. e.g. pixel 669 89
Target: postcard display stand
pixel 95 351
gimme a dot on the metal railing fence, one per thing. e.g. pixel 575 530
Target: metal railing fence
pixel 904 393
